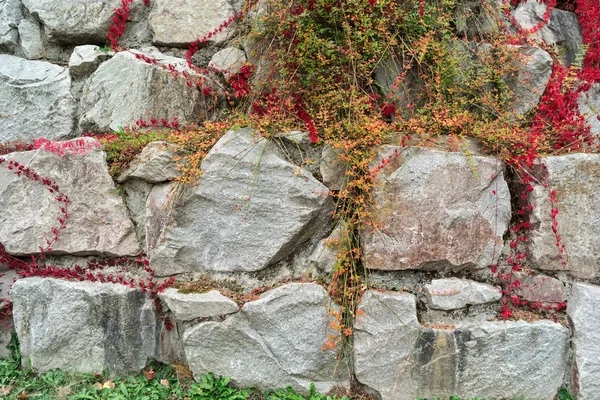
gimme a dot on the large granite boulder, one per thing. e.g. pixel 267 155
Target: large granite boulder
pixel 398 359
pixel 30 36
pixel 437 209
pixel 250 209
pixel 36 100
pixel 582 311
pixel 177 23
pixel 576 179
pixel 84 326
pixel 562 30
pixel 275 341
pixel 98 223
pixel 496 360
pixel 76 21
pixel 125 89
pixel 385 334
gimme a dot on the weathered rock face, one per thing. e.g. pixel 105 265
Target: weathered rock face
pixel 583 317
pixel 98 223
pixel 156 163
pixel 190 306
pixel 534 70
pixel 501 359
pixel 250 209
pixel 30 35
pixel 136 192
pixel 384 340
pixel 86 59
pixel 539 288
pixel 398 359
pixel 10 15
pixel 589 106
pixel 562 29
pixel 476 19
pixel 575 177
pixel 158 212
pixel 178 23
pixel 437 209
pixel 453 293
pixel 76 21
pixel 273 342
pixel 229 61
pixel 125 89
pixel 84 326
pixel 36 100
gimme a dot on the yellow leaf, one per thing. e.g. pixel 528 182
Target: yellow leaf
pixel 108 385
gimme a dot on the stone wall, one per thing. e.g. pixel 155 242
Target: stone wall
pixel 430 325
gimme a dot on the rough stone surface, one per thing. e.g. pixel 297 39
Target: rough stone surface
pixel 437 209
pixel 534 70
pixel 576 179
pixel 562 29
pixel 176 23
pixel 333 169
pixel 125 89
pixel 36 100
pixel 190 306
pixel 156 163
pixel 384 340
pixel 589 106
pixel 84 326
pixel 539 288
pixel 98 223
pixel 250 209
pixel 30 36
pixel 76 21
pixel 453 293
pixel 501 359
pixel 273 342
pixel 136 196
pixel 582 311
pixel 398 359
pixel 229 60
pixel 86 59
pixel 10 15
pixel 158 212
